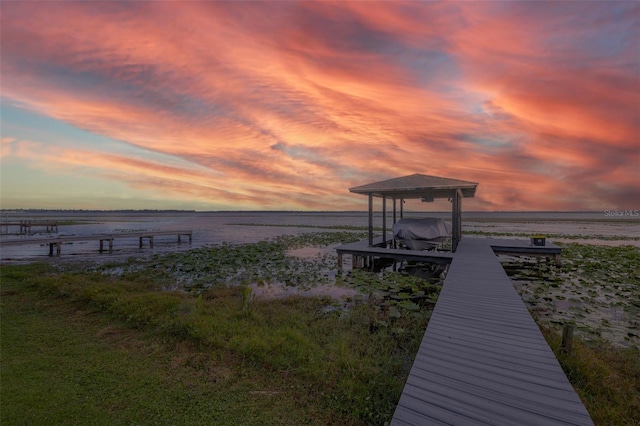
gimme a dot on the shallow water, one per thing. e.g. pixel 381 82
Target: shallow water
pixel 606 311
pixel 603 301
pixel 235 227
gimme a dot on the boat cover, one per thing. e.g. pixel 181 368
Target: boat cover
pixel 427 228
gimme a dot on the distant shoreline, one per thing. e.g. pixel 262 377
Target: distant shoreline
pixel 309 211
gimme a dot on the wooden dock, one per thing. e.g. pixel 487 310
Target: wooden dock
pixel 57 242
pixel 26 225
pixel 363 255
pixel 524 248
pixel 483 359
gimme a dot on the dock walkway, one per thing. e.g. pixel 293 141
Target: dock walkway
pixel 109 238
pixel 26 225
pixel 483 359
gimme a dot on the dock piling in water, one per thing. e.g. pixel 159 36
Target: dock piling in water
pixel 57 241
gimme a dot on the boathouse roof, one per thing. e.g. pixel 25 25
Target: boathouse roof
pixel 424 187
pixel 417 186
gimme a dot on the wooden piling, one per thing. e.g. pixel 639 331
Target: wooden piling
pixel 101 238
pixel 567 338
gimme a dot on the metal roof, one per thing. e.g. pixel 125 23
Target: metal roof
pixel 417 186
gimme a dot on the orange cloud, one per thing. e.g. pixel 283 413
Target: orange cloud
pixel 283 105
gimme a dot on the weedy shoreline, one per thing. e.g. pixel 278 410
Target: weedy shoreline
pixel 189 327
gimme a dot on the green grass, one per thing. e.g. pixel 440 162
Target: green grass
pixel 94 346
pixel 65 363
pixel 88 348
pixel 606 378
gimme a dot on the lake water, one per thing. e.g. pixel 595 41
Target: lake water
pixel 614 318
pixel 217 227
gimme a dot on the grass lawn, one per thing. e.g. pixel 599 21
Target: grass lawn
pixel 85 348
pixel 66 363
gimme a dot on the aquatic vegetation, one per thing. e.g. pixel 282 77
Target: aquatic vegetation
pixel 465 231
pixel 597 289
pixel 553 235
pixel 397 292
pixel 243 264
pixel 299 262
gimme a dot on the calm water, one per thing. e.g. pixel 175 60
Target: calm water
pixel 210 228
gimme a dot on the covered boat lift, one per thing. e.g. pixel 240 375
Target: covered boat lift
pixel 417 186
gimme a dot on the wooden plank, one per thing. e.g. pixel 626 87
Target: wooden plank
pixel 483 359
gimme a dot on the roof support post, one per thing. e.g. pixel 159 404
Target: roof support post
pixel 384 220
pixel 456 219
pixel 394 211
pixel 401 208
pixel 370 219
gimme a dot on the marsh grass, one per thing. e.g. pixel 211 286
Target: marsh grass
pixel 178 340
pixel 64 362
pixel 350 365
pixel 606 378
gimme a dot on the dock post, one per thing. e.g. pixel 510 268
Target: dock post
pixel 58 248
pixel 100 250
pixel 140 242
pixel 567 338
pixel 51 249
pixel 110 245
pixel 370 220
pixel 456 219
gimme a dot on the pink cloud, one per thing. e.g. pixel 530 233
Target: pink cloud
pixel 294 109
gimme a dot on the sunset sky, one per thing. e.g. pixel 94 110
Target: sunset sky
pixel 285 105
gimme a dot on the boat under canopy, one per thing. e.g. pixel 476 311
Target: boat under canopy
pixel 421 234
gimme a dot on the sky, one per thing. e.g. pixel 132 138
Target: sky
pixel 285 105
